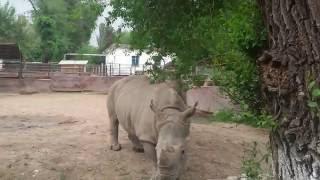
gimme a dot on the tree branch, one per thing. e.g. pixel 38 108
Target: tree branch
pixel 33 5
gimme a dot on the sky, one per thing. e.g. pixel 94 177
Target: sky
pixel 23 7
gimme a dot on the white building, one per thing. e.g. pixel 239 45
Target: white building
pixel 127 61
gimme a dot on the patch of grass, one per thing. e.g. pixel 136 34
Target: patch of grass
pixel 262 120
pixel 224 115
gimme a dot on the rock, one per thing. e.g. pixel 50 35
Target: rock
pixel 233 178
pixel 35 172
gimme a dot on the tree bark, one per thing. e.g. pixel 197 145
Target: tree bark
pixel 290 64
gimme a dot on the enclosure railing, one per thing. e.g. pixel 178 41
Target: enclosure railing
pixel 45 70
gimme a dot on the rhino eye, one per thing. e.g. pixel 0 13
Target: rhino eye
pixel 182 152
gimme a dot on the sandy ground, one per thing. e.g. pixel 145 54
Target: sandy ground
pixel 64 136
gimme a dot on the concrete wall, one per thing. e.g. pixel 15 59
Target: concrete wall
pixel 82 83
pixel 209 99
pixel 66 83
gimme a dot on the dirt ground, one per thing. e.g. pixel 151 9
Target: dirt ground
pixel 64 136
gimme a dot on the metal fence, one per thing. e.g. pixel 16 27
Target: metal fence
pixel 43 70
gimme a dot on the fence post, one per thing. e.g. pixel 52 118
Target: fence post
pixel 110 70
pixel 48 71
pixel 106 69
pixel 119 69
pixel 20 70
pixel 101 70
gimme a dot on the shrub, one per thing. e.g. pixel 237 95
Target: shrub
pixel 253 161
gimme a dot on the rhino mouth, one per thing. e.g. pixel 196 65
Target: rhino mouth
pixel 167 177
pixel 166 172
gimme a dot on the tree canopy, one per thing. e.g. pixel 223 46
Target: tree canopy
pixel 8 24
pixel 226 34
pixel 19 30
pixel 56 27
pixel 64 25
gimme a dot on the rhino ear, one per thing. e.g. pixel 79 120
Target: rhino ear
pixel 152 107
pixel 190 111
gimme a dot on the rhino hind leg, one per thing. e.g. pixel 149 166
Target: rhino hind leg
pixel 137 146
pixel 114 133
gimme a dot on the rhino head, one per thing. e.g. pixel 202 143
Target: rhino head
pixel 173 129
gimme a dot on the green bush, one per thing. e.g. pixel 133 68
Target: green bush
pixel 238 78
pixel 198 80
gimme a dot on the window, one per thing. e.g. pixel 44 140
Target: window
pixel 135 60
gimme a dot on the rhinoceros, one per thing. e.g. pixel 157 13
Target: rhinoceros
pixel 156 119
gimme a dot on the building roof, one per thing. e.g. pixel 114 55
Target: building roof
pixel 74 62
pixel 10 51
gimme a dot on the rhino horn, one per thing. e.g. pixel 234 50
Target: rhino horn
pixel 190 111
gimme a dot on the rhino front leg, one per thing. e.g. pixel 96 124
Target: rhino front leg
pixel 137 146
pixel 150 151
pixel 114 133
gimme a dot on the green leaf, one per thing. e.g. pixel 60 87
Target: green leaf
pixel 312 104
pixel 316 93
pixel 311 85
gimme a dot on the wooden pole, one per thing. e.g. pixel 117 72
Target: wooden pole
pixel 110 70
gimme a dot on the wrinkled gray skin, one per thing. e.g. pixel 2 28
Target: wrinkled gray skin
pixel 156 119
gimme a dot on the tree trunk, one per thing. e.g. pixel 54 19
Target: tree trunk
pixel 287 68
